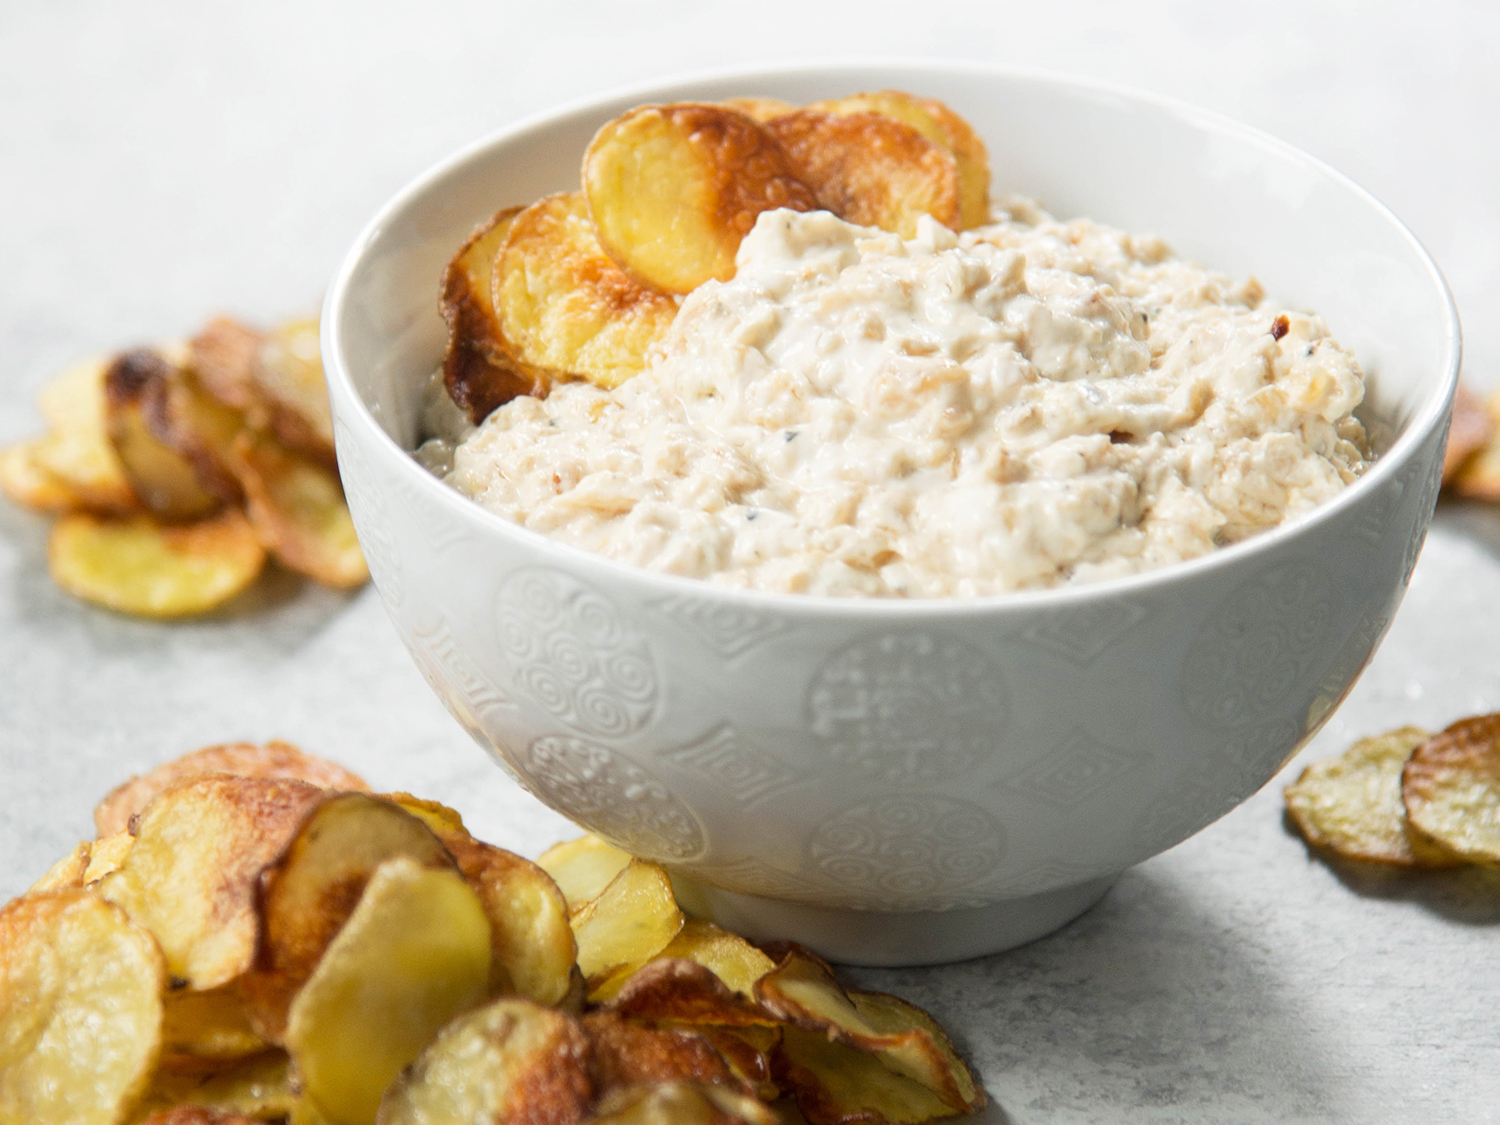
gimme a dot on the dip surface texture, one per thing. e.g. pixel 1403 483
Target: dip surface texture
pixel 1030 404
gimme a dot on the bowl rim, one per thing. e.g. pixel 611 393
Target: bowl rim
pixel 1432 410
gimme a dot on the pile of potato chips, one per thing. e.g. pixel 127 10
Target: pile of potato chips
pixel 177 470
pixel 1407 798
pixel 254 936
pixel 580 285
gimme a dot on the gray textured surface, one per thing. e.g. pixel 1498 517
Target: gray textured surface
pixel 163 161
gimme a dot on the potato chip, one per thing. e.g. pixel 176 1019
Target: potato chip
pixel 138 565
pixel 733 959
pixel 306 1112
pixel 439 817
pixel 24 481
pixel 672 990
pixel 196 1115
pixel 940 125
pixel 107 854
pixel 759 109
pixel 835 1084
pixel 310 891
pixel 191 875
pixel 298 510
pixel 682 1103
pixel 1477 476
pixel 243 759
pixel 631 921
pixel 208 1025
pixel 223 357
pixel 533 952
pixel 871 169
pixel 674 188
pixel 414 953
pixel 80 1010
pixel 565 307
pixel 1451 789
pixel 480 372
pixel 67 873
pixel 582 868
pixel 509 1061
pixel 1470 431
pixel 623 1054
pixel 258 1087
pixel 1352 804
pixel 802 991
pixel 186 418
pixel 288 375
pixel 135 383
pixel 77 452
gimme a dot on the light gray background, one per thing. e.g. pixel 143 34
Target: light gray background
pixel 160 162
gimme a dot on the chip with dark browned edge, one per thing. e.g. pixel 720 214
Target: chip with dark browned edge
pixel 1451 789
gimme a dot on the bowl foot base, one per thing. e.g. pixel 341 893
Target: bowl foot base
pixel 872 937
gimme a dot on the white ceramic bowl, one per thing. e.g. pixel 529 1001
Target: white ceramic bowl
pixel 908 782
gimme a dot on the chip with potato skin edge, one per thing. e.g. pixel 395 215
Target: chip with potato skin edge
pixel 1450 787
pixel 308 892
pixel 1351 804
pixel 673 189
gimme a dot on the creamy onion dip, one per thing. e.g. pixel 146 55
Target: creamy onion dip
pixel 1029 404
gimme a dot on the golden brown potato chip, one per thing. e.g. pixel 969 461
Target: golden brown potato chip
pixel 624 1054
pixel 871 169
pixel 682 1103
pixel 673 990
pixel 565 307
pixel 135 387
pixel 835 1084
pixel 1352 804
pixel 631 921
pixel 208 1025
pixel 733 959
pixel 77 452
pixel 582 868
pixel 802 991
pixel 1471 429
pixel 414 953
pixel 674 188
pixel 310 891
pixel 533 952
pixel 23 481
pixel 67 873
pixel 436 815
pixel 186 418
pixel 1451 789
pixel 223 356
pixel 192 873
pixel 243 759
pixel 1477 476
pixel 509 1061
pixel 298 510
pixel 80 1010
pixel 138 565
pixel 940 125
pixel 258 1087
pixel 480 372
pixel 107 854
pixel 288 374
pixel 759 109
